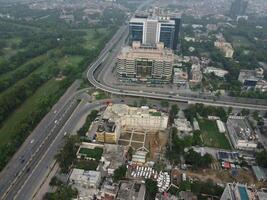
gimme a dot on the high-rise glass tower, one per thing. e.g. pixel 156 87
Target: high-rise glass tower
pixel 151 30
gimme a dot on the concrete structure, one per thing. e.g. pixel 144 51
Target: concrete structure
pixel 225 47
pixel 196 74
pixel 165 196
pixel 85 179
pixel 241 134
pixel 220 126
pixel 121 116
pixel 260 173
pixel 236 191
pixel 139 157
pixel 150 30
pixel 109 190
pixel 179 76
pixel 250 78
pixel 217 71
pixel 183 125
pixel 145 63
pixel 261 86
pixel 187 195
pixel 113 157
pixel 131 191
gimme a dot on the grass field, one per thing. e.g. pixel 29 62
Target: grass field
pixel 13 122
pixel 69 60
pixel 10 126
pixel 239 41
pixel 211 136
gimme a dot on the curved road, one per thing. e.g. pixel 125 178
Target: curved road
pixel 97 67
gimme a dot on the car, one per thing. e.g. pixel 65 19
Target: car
pixel 32 141
pixel 55 121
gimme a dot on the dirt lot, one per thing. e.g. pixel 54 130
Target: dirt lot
pixel 156 143
pixel 225 176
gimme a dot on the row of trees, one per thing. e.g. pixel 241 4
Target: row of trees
pixel 205 111
pixel 89 119
pixel 28 123
pixel 15 96
pixel 9 79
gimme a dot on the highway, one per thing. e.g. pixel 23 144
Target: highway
pixel 21 164
pixel 108 55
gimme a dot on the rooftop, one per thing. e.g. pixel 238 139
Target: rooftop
pixel 131 190
pixel 137 51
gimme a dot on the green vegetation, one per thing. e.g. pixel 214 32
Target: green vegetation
pixel 35 53
pixel 101 95
pixel 90 118
pixel 155 113
pixel 196 160
pixel 211 136
pixel 205 111
pixel 120 173
pixel 173 112
pixel 152 188
pixel 202 189
pixel 67 154
pixel 176 148
pixel 62 192
pixel 95 153
pixel 164 103
pixel 86 164
pixel 261 158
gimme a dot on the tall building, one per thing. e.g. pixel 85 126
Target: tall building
pixel 145 63
pixel 151 30
pixel 238 7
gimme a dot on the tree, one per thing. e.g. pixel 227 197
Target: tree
pixel 164 103
pixel 173 112
pixel 143 102
pixel 261 158
pixel 244 112
pixel 151 187
pixel 119 173
pixel 67 154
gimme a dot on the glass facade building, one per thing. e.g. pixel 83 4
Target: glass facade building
pixel 167 34
pixel 136 31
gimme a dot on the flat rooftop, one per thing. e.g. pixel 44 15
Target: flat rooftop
pixel 152 53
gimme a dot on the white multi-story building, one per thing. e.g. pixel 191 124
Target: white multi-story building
pixel 241 134
pixel 85 179
pixel 218 72
pixel 122 116
pixel 145 63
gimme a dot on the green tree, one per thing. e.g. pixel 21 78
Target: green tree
pixel 151 187
pixel 261 158
pixel 120 173
pixel 164 103
pixel 67 154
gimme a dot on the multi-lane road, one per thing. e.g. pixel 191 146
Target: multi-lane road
pixel 20 166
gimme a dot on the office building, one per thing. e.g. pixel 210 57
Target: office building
pixel 241 134
pixel 152 30
pixel 179 76
pixel 252 78
pixel 145 64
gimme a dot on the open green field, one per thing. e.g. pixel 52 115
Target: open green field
pixel 11 125
pixel 211 136
pixel 239 41
pixel 93 36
